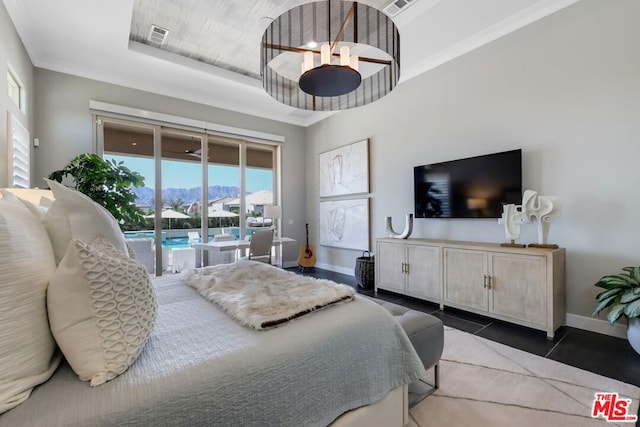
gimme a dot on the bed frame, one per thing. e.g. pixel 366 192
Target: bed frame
pixel 392 411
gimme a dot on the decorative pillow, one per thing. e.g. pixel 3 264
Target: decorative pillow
pixel 130 251
pixel 73 215
pixel 36 210
pixel 102 307
pixel 34 195
pixel 45 203
pixel 28 354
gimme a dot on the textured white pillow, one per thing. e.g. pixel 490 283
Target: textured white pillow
pixel 73 215
pixel 102 307
pixel 36 210
pixel 28 354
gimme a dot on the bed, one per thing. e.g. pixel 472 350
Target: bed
pixel 201 368
pixel 156 353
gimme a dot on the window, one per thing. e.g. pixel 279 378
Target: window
pixel 16 90
pixel 19 170
pixel 177 164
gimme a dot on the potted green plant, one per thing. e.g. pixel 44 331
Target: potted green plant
pixel 108 183
pixel 621 297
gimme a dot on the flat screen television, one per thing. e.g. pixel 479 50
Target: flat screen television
pixel 475 187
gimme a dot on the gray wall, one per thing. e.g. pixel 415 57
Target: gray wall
pixel 64 127
pixel 13 55
pixel 565 89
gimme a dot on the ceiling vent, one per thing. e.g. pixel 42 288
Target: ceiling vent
pixel 397 6
pixel 158 35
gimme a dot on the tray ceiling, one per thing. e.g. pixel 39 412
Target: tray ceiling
pixel 211 55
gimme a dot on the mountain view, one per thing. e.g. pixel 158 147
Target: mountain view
pixel 188 195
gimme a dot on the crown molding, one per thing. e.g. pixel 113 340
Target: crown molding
pixel 502 28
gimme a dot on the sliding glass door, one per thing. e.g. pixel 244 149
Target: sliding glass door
pixel 197 184
pixel 134 145
pixel 223 186
pixel 259 181
pixel 182 196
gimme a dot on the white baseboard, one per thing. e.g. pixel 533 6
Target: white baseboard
pixel 323 266
pixel 335 268
pixel 596 325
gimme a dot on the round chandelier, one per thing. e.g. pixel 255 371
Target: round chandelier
pixel 358 60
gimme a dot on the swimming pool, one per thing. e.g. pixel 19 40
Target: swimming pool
pixel 176 242
pixel 141 234
pixel 171 243
pixel 180 242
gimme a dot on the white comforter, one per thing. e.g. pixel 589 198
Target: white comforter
pixel 200 368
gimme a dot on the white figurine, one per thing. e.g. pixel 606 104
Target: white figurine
pixel 512 218
pixel 535 209
pixel 408 227
pixel 541 210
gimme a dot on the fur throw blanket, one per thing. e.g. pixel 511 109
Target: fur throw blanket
pixel 262 296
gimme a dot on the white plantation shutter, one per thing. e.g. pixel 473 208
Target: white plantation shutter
pixel 19 161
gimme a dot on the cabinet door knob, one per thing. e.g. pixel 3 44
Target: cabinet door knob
pixel 488 282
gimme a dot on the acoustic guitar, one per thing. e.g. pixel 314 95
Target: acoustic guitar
pixel 307 258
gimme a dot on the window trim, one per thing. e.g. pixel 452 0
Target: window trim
pixel 99 108
pixel 12 77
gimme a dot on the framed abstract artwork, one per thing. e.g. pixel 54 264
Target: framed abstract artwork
pixel 345 170
pixel 345 223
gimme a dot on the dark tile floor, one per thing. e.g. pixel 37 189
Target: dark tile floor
pixel 601 354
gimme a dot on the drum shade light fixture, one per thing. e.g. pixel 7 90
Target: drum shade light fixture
pixel 358 61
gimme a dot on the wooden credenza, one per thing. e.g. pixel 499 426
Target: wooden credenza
pixel 519 285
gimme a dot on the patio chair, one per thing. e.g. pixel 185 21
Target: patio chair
pixel 182 259
pixel 143 249
pixel 194 236
pixel 260 247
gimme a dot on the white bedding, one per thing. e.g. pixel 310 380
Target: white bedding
pixel 200 368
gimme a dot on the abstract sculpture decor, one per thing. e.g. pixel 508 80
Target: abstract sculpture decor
pixel 512 218
pixel 534 209
pixel 408 227
pixel 541 209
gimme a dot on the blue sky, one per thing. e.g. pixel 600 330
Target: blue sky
pixel 188 175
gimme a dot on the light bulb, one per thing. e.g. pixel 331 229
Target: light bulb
pixel 354 62
pixel 325 54
pixel 308 62
pixel 344 55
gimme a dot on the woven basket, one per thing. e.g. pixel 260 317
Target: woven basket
pixel 365 270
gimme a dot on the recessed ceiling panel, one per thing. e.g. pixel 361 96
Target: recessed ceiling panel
pixel 223 33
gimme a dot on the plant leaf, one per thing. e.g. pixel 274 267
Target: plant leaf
pixel 630 295
pixel 615 312
pixel 632 309
pixel 604 303
pixel 617 280
pixel 634 272
pixel 606 294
